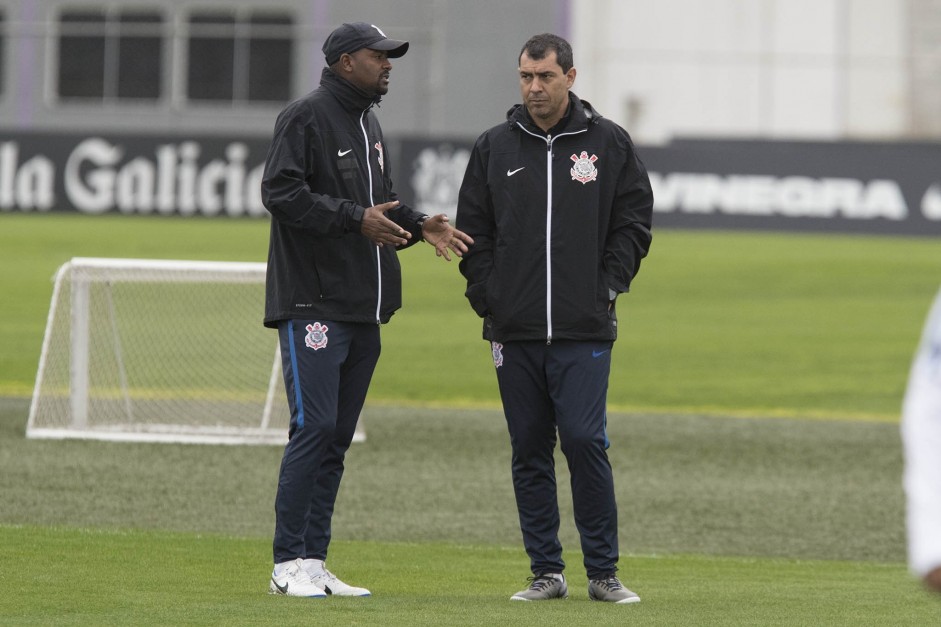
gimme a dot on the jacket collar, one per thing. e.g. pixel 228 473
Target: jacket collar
pixel 350 96
pixel 579 115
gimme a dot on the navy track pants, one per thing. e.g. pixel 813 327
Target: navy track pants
pixel 327 369
pixel 560 388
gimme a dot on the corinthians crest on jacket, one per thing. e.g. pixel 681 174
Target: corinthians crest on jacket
pixel 584 169
pixel 382 164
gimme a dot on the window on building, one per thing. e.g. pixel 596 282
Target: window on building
pixel 270 55
pixel 240 57
pixel 211 57
pixel 82 54
pixel 140 55
pixel 106 55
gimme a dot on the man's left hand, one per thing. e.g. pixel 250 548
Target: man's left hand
pixel 437 231
pixel 933 579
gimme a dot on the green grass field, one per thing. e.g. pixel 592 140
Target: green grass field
pixel 742 323
pixel 431 584
pixel 755 395
pixel 724 521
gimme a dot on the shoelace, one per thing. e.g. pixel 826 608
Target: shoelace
pixel 611 583
pixel 291 571
pixel 541 582
pixel 327 575
pixel 295 571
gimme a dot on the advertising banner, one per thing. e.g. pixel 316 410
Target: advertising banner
pixel 877 187
pixel 95 174
pixel 888 188
pixel 809 186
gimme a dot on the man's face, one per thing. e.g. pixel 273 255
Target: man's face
pixel 545 88
pixel 370 70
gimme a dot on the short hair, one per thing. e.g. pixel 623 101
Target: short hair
pixel 539 46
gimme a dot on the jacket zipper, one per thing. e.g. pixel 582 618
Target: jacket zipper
pixel 548 239
pixel 549 139
pixel 372 203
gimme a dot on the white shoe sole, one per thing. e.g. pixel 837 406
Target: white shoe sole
pixel 622 602
pixel 351 592
pixel 517 598
pixel 274 589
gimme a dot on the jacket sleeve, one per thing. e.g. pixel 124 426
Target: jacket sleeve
pixel 629 236
pixel 285 191
pixel 476 218
pixel 921 437
pixel 403 215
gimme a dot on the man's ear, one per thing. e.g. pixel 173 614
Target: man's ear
pixel 570 77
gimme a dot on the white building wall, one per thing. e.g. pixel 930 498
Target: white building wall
pixel 821 69
pixel 803 69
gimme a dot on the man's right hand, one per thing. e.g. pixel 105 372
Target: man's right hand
pixel 380 229
pixel 933 579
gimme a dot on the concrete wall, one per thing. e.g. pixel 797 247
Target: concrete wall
pixel 790 69
pixel 823 69
pixel 458 77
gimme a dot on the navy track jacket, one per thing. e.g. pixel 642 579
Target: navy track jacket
pixel 560 224
pixel 327 163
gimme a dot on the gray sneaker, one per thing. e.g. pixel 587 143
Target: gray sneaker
pixel 610 589
pixel 542 588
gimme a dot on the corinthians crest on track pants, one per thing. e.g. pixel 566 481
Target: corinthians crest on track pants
pixel 545 388
pixel 327 369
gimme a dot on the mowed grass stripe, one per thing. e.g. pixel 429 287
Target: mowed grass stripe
pixel 751 323
pixel 684 484
pixel 78 577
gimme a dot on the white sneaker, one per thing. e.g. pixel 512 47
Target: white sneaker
pixel 328 582
pixel 294 581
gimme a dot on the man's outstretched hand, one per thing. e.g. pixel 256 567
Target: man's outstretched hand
pixel 437 231
pixel 933 579
pixel 380 229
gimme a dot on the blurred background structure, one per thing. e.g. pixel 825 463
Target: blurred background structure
pixel 821 69
pixel 803 114
pixel 227 66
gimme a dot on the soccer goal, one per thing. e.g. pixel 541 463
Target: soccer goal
pixel 160 351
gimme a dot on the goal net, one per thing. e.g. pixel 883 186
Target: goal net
pixel 159 351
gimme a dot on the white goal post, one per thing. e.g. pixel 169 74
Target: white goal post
pixel 152 350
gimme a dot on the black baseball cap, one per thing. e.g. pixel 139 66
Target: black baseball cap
pixel 348 38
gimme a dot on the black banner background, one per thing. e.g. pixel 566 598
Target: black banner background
pixel 866 187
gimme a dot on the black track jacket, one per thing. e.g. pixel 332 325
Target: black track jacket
pixel 326 165
pixel 560 224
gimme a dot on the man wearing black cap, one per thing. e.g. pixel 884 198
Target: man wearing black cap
pixel 333 277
